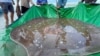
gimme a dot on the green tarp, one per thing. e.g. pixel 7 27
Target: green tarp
pixel 89 14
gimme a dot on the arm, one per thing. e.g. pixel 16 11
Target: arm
pixel 13 2
pixel 31 2
pixel 82 0
pixel 56 3
pixel 17 2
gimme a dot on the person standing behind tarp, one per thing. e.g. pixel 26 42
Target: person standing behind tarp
pixel 42 2
pixel 18 11
pixel 6 6
pixel 89 1
pixel 61 3
pixel 25 5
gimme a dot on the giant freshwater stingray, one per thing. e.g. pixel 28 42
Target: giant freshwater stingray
pixel 55 37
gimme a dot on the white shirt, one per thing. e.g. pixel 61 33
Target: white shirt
pixel 6 1
pixel 25 3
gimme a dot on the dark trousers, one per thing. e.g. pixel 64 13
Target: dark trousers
pixel 23 9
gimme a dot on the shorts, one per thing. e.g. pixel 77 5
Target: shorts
pixel 41 2
pixel 6 6
pixel 23 9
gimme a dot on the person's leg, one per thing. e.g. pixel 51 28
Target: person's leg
pixel 6 19
pixel 11 9
pixel 18 11
pixel 4 7
pixel 82 0
pixel 38 2
pixel 64 3
pixel 59 3
pixel 44 2
pixel 12 17
pixel 94 1
pixel 88 1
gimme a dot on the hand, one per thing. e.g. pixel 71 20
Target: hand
pixel 33 4
pixel 13 3
pixel 17 4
